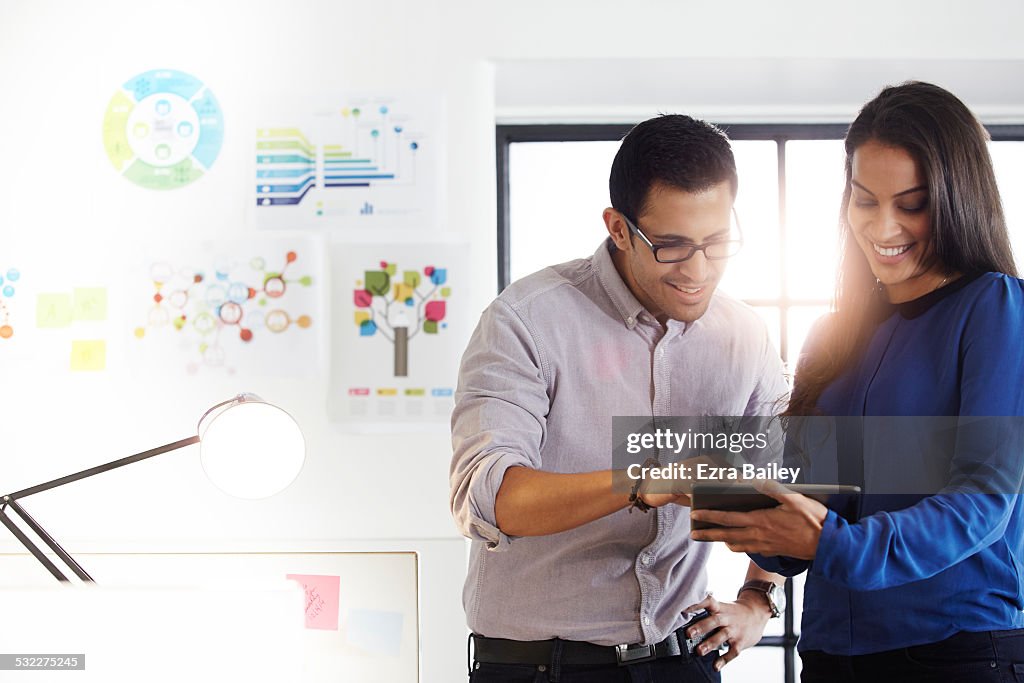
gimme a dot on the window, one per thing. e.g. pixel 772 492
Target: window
pixel 553 186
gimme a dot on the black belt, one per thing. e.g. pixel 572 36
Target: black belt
pixel 577 653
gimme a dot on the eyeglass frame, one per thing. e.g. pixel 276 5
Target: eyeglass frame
pixel 694 248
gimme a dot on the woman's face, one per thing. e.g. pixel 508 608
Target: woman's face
pixel 891 220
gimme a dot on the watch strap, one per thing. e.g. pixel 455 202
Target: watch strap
pixel 764 587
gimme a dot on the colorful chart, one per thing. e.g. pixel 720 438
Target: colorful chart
pixel 415 304
pixel 224 307
pixel 399 328
pixel 163 129
pixel 7 291
pixel 370 160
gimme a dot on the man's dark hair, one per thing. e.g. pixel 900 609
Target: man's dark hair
pixel 673 150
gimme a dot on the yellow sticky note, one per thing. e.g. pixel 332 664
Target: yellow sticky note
pixel 88 355
pixel 53 310
pixel 90 303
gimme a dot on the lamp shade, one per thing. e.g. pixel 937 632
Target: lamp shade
pixel 250 448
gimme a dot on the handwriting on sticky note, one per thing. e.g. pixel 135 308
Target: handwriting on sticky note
pixel 321 599
pixel 88 355
pixel 53 310
pixel 90 303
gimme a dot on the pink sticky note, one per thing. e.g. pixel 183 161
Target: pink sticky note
pixel 321 600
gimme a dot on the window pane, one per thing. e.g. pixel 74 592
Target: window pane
pixel 772 319
pixel 1008 159
pixel 814 188
pixel 557 193
pixel 754 272
pixel 800 320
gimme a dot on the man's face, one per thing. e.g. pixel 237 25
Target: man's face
pixel 677 291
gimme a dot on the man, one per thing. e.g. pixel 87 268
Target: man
pixel 562 578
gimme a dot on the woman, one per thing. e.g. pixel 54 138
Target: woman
pixel 913 585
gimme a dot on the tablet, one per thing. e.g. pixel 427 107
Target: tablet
pixel 745 498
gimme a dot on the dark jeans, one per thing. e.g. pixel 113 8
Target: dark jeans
pixel 990 656
pixel 665 670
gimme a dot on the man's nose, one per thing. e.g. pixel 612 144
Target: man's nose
pixel 696 267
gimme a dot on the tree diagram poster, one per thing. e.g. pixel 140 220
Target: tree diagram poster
pixel 361 161
pixel 242 307
pixel 399 330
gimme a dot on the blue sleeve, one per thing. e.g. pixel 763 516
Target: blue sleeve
pixel 888 549
pixel 785 566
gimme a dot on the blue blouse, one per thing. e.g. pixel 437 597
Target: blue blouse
pixel 907 569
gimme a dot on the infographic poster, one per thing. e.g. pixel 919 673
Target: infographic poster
pixel 249 307
pixel 399 329
pixel 361 162
pixel 9 286
pixel 163 129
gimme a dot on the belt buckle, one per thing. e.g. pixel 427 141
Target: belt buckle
pixel 633 654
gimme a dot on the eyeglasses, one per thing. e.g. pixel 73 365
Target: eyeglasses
pixel 671 253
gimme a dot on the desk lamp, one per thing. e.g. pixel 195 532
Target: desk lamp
pixel 248 448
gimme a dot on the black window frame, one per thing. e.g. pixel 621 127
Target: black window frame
pixel 506 135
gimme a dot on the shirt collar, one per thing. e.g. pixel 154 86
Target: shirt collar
pixel 919 306
pixel 627 305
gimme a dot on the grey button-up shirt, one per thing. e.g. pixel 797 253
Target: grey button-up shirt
pixel 553 359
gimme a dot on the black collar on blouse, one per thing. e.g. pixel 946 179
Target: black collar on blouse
pixel 917 307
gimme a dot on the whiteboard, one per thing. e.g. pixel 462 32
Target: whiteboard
pixel 372 636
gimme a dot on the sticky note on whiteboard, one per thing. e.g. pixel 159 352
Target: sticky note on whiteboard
pixel 321 599
pixel 88 355
pixel 53 310
pixel 375 631
pixel 90 303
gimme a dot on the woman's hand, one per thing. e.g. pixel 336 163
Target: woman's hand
pixel 793 528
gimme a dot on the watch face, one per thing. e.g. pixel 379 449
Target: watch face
pixel 777 597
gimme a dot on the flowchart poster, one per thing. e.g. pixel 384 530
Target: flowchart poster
pixel 9 285
pixel 242 307
pixel 399 329
pixel 360 163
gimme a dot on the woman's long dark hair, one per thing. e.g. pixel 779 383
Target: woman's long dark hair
pixel 968 228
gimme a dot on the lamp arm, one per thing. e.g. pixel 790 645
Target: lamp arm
pixel 10 500
pixel 32 547
pixel 46 486
pixel 42 533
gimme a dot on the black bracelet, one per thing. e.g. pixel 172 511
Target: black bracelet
pixel 634 496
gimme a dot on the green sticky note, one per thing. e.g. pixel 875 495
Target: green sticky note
pixel 53 310
pixel 90 303
pixel 88 355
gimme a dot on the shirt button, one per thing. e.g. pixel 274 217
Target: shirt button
pixel 647 621
pixel 630 321
pixel 645 559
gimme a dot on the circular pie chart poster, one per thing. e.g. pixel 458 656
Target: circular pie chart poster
pixel 163 129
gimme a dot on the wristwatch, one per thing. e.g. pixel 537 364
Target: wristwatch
pixel 773 593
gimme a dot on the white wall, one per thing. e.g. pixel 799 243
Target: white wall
pixel 529 60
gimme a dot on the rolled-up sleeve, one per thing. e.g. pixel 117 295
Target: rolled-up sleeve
pixel 499 421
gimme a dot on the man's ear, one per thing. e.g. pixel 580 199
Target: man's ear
pixel 617 228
